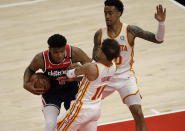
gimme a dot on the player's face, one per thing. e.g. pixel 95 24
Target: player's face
pixel 57 54
pixel 112 15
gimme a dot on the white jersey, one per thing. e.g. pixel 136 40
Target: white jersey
pixel 92 90
pixel 125 61
pixel 85 111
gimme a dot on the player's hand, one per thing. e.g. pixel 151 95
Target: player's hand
pixel 36 91
pixel 63 79
pixel 160 15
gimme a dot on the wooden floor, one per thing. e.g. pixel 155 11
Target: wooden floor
pixel 25 26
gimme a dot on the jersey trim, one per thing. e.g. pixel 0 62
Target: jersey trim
pixel 43 56
pixel 65 62
pixel 68 51
pixel 98 72
pixel 130 95
pixel 114 37
pixel 127 37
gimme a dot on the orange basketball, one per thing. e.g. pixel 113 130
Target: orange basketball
pixel 41 81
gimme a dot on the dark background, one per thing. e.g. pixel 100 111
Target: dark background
pixel 180 2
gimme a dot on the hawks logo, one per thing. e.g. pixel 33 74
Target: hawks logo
pixel 122 37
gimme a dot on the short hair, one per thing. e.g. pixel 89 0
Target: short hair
pixel 57 40
pixel 117 3
pixel 110 48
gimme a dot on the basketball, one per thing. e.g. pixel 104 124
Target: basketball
pixel 41 81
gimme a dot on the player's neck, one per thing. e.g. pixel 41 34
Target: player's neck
pixel 51 59
pixel 114 29
pixel 105 62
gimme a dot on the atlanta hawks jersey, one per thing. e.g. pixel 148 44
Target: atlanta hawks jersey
pixel 92 90
pixel 125 61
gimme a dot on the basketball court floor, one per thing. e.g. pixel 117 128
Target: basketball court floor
pixel 25 26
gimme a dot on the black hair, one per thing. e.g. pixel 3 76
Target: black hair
pixel 117 3
pixel 57 40
pixel 111 49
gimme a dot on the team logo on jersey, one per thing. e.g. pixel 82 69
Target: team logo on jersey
pixel 57 73
pixel 123 48
pixel 49 66
pixel 122 37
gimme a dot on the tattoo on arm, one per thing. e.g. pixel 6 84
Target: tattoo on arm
pixel 138 32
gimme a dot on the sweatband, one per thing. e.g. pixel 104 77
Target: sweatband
pixel 71 73
pixel 159 36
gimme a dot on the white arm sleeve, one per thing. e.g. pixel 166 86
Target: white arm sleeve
pixel 160 32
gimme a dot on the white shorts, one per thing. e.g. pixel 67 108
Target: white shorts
pixel 126 85
pixel 82 116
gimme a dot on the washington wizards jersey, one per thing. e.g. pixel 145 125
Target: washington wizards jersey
pixel 53 71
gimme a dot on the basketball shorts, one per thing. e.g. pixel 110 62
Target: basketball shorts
pixel 55 97
pixel 126 85
pixel 82 116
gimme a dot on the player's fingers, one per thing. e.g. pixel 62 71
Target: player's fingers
pixel 157 8
pixel 40 91
pixel 165 11
pixel 62 78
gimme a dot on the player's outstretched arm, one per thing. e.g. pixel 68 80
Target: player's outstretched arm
pixel 136 31
pixel 36 64
pixel 89 70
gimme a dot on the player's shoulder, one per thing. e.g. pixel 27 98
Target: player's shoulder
pixel 39 56
pixel 75 49
pixel 37 61
pixel 98 32
pixel 133 28
pixel 77 52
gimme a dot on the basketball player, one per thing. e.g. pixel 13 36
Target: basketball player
pixel 85 110
pixel 124 80
pixel 54 63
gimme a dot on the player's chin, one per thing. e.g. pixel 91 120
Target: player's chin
pixel 108 22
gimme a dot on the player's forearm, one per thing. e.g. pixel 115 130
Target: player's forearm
pixel 160 32
pixel 28 73
pixel 76 72
pixel 79 78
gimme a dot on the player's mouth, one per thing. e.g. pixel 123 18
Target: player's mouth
pixel 108 20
